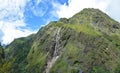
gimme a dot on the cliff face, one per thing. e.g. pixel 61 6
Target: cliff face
pixel 89 42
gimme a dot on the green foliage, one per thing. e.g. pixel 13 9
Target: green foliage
pixel 16 54
pixel 64 63
pixel 117 69
pixel 83 28
pixel 1 56
pixel 115 39
pixel 98 69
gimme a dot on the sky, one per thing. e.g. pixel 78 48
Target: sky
pixel 20 18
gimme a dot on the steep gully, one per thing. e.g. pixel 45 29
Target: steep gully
pixel 51 62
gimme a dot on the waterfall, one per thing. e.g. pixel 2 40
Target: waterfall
pixel 56 43
pixel 55 53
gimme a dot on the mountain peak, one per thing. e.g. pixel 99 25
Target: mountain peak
pixel 97 19
pixel 90 11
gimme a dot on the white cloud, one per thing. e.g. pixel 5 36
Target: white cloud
pixel 77 5
pixel 38 7
pixel 12 20
pixel 12 9
pixel 39 11
pixel 12 30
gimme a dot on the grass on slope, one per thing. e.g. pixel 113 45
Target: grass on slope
pixel 83 28
pixel 86 28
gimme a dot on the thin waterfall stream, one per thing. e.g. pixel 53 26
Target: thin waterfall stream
pixel 55 53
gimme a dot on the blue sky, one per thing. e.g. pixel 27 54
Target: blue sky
pixel 20 18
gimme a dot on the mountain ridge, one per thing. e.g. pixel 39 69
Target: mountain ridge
pixel 88 42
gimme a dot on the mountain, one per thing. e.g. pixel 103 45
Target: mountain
pixel 88 42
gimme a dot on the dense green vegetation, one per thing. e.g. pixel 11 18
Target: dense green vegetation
pixel 89 43
pixel 1 57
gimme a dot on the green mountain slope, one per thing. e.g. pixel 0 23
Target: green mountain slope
pixel 88 42
pixel 1 58
pixel 15 55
